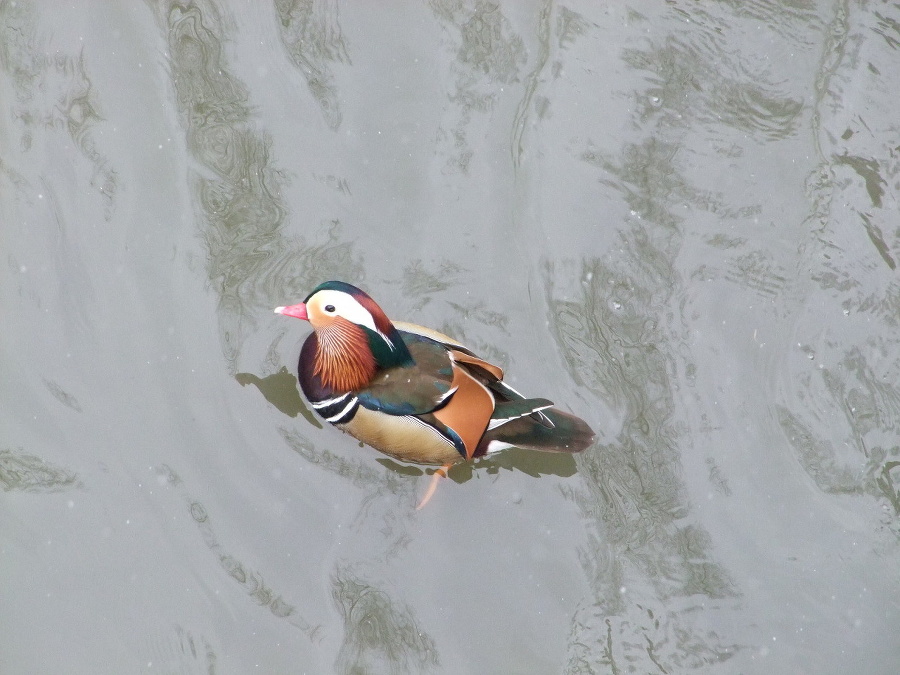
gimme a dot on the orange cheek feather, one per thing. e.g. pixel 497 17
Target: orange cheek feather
pixel 344 361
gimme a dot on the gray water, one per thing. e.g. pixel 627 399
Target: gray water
pixel 676 219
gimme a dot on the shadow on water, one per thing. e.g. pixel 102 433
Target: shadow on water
pixel 530 462
pixel 280 389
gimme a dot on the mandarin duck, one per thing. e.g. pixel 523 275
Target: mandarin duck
pixel 414 393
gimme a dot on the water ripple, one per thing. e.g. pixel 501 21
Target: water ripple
pixel 610 331
pixel 312 35
pixel 29 473
pixel 251 265
pixel 251 581
pixel 696 73
pixel 488 53
pixel 380 634
pixel 53 91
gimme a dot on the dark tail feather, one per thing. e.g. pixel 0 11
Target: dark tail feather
pixel 506 411
pixel 509 396
pixel 568 434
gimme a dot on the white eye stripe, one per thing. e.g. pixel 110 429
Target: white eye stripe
pixel 347 306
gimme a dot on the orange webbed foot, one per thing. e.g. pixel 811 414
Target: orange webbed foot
pixel 432 485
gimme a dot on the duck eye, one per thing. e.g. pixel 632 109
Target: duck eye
pixel 329 308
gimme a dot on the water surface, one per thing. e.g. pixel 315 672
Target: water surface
pixel 677 220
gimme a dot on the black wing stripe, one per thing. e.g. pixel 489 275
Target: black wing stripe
pixel 324 403
pixel 346 413
pixel 330 407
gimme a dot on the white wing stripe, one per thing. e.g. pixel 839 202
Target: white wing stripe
pixel 447 395
pixel 503 420
pixel 318 405
pixel 347 408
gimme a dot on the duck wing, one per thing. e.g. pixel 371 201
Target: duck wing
pixel 420 388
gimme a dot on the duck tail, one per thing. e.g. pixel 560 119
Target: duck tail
pixel 530 429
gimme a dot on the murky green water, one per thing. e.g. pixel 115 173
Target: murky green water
pixel 678 220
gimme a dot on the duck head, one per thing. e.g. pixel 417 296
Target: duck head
pixel 354 337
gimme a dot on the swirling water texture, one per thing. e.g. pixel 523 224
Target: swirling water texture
pixel 623 321
pixel 251 264
pixel 678 218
